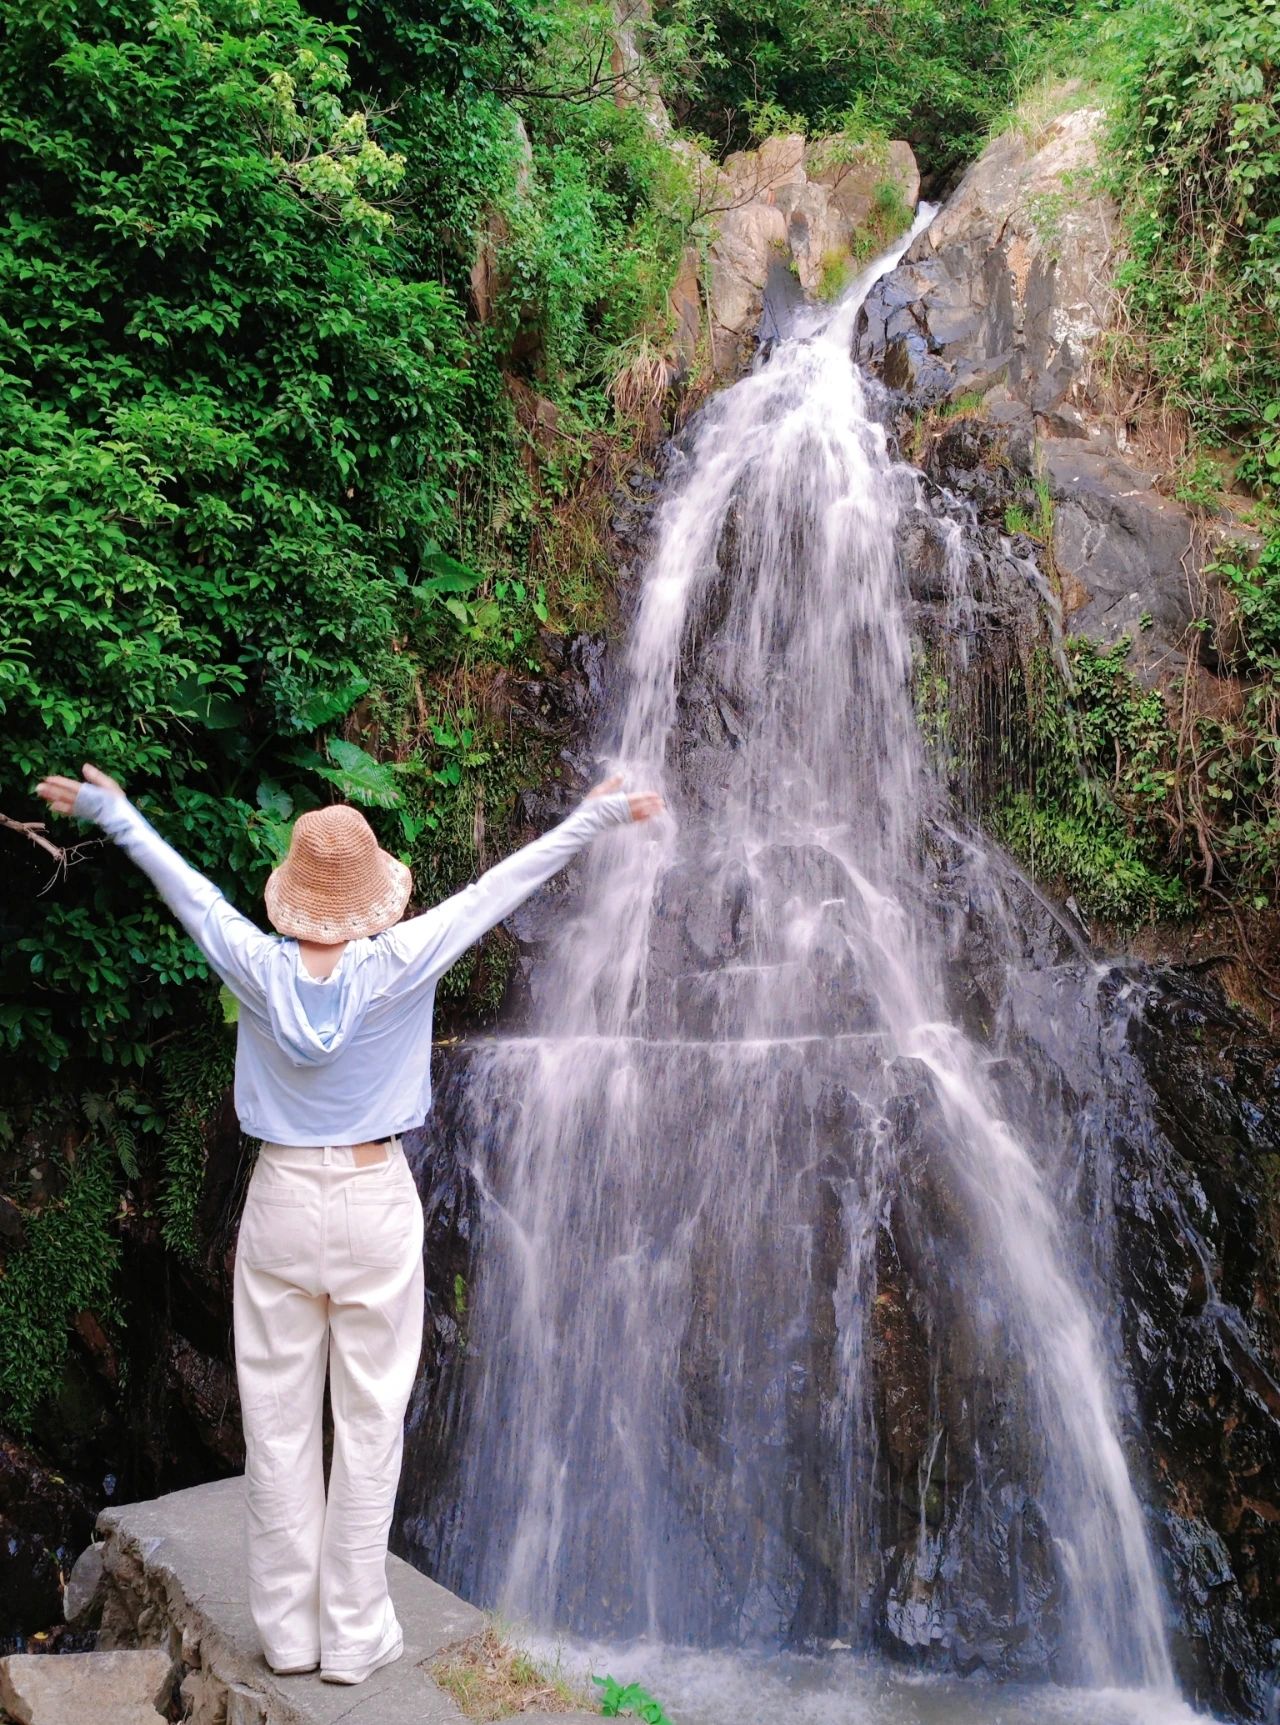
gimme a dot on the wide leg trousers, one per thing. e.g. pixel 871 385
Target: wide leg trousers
pixel 328 1277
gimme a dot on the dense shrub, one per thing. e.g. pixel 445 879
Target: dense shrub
pixel 1196 121
pixel 245 416
pixel 230 431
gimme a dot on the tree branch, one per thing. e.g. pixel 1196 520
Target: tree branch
pixel 34 830
pixel 63 855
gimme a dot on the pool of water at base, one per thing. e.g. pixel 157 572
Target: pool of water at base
pixel 746 1688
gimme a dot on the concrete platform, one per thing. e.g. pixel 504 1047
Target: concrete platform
pixel 173 1577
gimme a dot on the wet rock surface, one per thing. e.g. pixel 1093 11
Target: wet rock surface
pixel 1002 303
pixel 1175 1163
pixel 1201 1280
pixel 1171 1183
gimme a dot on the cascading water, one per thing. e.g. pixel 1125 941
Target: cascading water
pixel 689 1166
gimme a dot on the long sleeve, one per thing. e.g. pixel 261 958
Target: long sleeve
pixel 238 951
pixel 430 943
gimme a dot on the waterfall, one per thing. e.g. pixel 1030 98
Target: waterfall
pixel 741 1070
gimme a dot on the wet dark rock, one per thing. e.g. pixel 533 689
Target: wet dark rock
pixel 1125 554
pixel 633 509
pixel 1166 1184
pixel 1202 1304
pixel 923 554
pixel 44 1523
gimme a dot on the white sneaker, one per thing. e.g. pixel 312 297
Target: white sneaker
pixel 294 1670
pixel 389 1650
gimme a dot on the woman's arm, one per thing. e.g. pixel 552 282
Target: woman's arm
pixel 235 947
pixel 430 943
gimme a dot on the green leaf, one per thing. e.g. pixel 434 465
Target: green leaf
pixel 205 707
pixel 324 706
pixel 450 577
pixel 229 1004
pixel 444 567
pixel 411 825
pixel 273 801
pixel 359 777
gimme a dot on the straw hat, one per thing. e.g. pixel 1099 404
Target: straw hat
pixel 336 884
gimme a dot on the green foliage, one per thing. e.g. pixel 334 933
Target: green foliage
pixel 1092 820
pixel 596 238
pixel 1196 151
pixel 629 1701
pixel 1093 857
pixel 1193 159
pixel 239 416
pixel 64 1266
pixel 889 216
pixel 482 775
pixel 833 277
pixel 229 428
pixel 934 74
pixel 241 411
pixel 195 1075
pixel 968 405
pixel 1197 146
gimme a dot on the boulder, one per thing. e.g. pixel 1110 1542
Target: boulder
pixel 1010 283
pixel 82 1597
pixel 121 1688
pixel 998 310
pixel 175 1585
pixel 785 211
pixel 1126 556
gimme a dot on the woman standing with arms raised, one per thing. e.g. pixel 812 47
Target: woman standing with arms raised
pixel 333 1063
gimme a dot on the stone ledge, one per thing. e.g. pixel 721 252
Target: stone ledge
pixel 174 1577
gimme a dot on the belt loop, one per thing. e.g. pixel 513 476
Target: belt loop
pixel 328 1156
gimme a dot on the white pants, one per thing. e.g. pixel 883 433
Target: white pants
pixel 328 1273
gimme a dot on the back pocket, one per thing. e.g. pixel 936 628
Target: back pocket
pixel 380 1226
pixel 271 1229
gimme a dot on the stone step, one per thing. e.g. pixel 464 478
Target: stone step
pixel 126 1687
pixel 173 1578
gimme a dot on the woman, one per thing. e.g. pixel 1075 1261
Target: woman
pixel 333 1063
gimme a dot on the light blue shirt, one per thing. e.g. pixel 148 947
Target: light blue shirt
pixel 347 1058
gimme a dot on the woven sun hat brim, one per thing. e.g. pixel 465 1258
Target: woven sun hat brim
pixel 306 912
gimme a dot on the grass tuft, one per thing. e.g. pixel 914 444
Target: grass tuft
pixel 491 1679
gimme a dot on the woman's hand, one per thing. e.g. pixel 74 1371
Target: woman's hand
pixel 644 804
pixel 61 794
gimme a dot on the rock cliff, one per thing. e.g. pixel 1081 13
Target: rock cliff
pixel 1004 306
